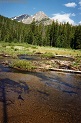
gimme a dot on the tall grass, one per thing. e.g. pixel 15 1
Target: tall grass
pixel 23 65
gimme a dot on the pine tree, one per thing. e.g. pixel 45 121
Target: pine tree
pixel 77 38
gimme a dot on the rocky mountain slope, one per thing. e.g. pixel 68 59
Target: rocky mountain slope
pixel 20 18
pixel 38 17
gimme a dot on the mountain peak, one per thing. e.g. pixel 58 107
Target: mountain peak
pixel 20 17
pixel 38 17
pixel 40 12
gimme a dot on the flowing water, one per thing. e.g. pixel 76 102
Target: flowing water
pixel 39 97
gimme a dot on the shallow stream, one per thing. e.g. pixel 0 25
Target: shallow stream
pixel 39 97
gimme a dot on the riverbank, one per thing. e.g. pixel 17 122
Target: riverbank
pixel 41 58
pixel 34 63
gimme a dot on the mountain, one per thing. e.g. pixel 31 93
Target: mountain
pixel 38 17
pixel 20 18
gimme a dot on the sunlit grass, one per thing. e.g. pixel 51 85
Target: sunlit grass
pixel 60 51
pixel 24 48
pixel 23 65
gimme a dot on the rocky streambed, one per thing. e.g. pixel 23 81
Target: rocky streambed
pixel 54 63
pixel 32 97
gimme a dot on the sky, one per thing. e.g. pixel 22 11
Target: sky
pixel 60 10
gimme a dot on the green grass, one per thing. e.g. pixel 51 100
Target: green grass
pixel 10 48
pixel 23 65
pixel 47 55
pixel 15 49
pixel 60 51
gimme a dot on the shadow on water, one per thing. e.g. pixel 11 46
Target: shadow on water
pixel 5 116
pixel 18 88
pixel 4 68
pixel 62 85
pixel 54 81
pixel 44 93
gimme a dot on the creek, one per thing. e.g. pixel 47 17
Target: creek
pixel 32 97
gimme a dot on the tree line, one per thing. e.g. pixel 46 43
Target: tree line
pixel 54 35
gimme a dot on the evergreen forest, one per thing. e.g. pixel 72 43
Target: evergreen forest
pixel 54 35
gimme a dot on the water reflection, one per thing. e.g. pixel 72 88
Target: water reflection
pixel 28 57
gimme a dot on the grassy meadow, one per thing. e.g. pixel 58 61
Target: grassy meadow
pixel 15 49
pixel 23 48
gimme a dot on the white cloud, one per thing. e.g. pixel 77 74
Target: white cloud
pixel 80 22
pixel 63 18
pixel 80 3
pixel 71 5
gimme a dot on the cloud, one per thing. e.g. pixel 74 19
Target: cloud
pixel 80 3
pixel 63 18
pixel 71 5
pixel 80 22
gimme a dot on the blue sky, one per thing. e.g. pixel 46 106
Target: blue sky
pixel 61 10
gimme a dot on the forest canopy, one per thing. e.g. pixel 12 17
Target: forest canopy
pixel 55 35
